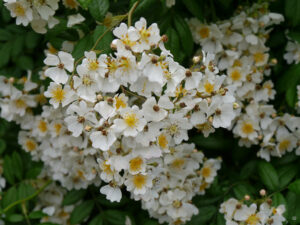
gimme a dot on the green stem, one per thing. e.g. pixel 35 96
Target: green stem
pixel 131 12
pixel 28 198
pixel 24 210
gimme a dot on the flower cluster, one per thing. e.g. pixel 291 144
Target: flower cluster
pixel 39 14
pixel 238 212
pixel 123 119
pixel 241 53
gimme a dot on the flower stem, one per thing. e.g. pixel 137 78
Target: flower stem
pixel 131 12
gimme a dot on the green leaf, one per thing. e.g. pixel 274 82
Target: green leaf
pixel 85 44
pixel 73 196
pixel 292 8
pixel 220 219
pixel 195 7
pixel 248 169
pixel 98 9
pixel 5 52
pixel 17 165
pixel 9 197
pixel 173 43
pixel 17 46
pixel 104 44
pixel 36 215
pixel 2 146
pixel 25 190
pixel 33 172
pixel 98 220
pixel 293 206
pixel 8 169
pixel 84 3
pixel 32 39
pixel 289 79
pixel 114 217
pixel 81 212
pixel 5 35
pixel 295 187
pixel 268 175
pixel 291 96
pixel 185 35
pixel 286 174
pixel 15 218
pixel 205 214
pixel 25 62
pixel 278 199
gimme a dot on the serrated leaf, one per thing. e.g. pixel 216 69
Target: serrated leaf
pixel 25 190
pixel 241 190
pixel 98 9
pixel 291 96
pixel 17 46
pixel 185 35
pixel 9 197
pixel 295 187
pixel 278 199
pixel 268 175
pixel 32 39
pixel 173 43
pixel 289 79
pixel 293 206
pixel 81 212
pixel 98 220
pixel 248 169
pixel 84 3
pixel 17 165
pixel 73 196
pixel 25 62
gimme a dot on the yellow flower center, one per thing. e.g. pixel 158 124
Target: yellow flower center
pixel 204 32
pixel 131 120
pixel 106 168
pixel 30 145
pixel 42 126
pixel 252 220
pixel 120 102
pixel 237 63
pixel 57 128
pixel 20 103
pixel 180 92
pixel 209 88
pixel 235 75
pixel 58 94
pixel 259 57
pixel 177 163
pixel 139 181
pixel 203 186
pixel 86 80
pixel 247 128
pixel 206 172
pixel 145 34
pixel 19 10
pixel 136 164
pixel 162 141
pixel 284 145
pixel 93 64
pixel 173 129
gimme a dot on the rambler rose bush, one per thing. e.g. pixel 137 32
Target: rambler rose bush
pixel 161 108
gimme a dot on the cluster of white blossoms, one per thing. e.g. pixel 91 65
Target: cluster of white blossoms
pixel 123 119
pixel 39 13
pixel 292 54
pixel 241 53
pixel 239 213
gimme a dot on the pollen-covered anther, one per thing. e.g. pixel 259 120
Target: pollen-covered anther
pixel 188 73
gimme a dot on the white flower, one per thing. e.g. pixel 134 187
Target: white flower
pixel 131 123
pixel 20 9
pixel 59 95
pixel 153 111
pixel 75 19
pixel 64 61
pixel 112 193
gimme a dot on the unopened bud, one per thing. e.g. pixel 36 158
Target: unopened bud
pixel 196 59
pixel 99 97
pixel 154 60
pixel 87 128
pixel 236 105
pixel 262 192
pixel 11 80
pixel 274 61
pixel 182 105
pixel 269 201
pixel 247 197
pixel 188 73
